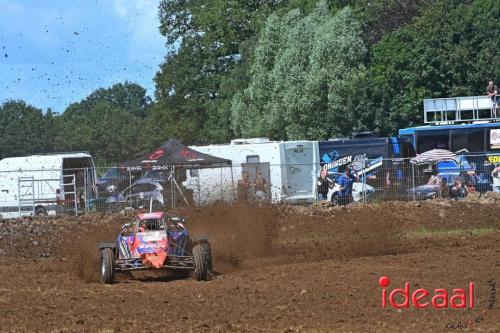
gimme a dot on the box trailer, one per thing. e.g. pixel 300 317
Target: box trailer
pixel 289 169
pixel 46 184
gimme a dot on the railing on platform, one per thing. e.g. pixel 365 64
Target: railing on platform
pixel 459 109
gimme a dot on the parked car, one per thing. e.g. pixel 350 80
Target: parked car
pixel 473 183
pixel 115 180
pixel 424 192
pixel 140 194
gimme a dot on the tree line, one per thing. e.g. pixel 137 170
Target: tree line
pixel 288 69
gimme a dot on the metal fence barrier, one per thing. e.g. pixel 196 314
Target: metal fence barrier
pixel 77 191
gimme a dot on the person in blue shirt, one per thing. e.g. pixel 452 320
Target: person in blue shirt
pixel 345 182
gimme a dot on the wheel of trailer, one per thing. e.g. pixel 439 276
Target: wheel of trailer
pixel 40 211
pixel 107 266
pixel 200 263
pixel 207 248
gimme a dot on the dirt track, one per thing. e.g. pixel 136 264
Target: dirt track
pixel 282 269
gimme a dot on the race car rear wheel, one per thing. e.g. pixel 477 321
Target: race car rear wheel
pixel 107 266
pixel 200 263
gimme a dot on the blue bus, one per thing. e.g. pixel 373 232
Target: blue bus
pixel 476 138
pixel 477 144
pixel 468 126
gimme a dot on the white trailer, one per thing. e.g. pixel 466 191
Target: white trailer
pixel 46 184
pixel 290 169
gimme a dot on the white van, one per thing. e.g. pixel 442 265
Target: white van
pixel 289 168
pixel 46 184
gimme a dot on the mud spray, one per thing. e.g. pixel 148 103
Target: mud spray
pixel 245 237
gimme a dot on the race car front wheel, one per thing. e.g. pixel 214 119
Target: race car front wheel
pixel 208 255
pixel 200 263
pixel 107 266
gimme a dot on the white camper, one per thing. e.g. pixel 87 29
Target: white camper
pixel 289 169
pixel 46 184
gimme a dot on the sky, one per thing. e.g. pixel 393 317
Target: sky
pixel 56 52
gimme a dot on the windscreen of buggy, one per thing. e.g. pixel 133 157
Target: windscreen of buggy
pixel 152 224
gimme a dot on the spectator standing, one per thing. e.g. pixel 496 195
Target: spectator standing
pixel 60 201
pixel 261 188
pixel 324 184
pixel 496 178
pixel 492 91
pixel 346 181
pixel 244 187
pixel 444 190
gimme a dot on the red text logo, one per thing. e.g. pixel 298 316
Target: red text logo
pixel 157 154
pixel 421 298
pixel 188 154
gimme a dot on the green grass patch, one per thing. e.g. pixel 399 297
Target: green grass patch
pixel 427 233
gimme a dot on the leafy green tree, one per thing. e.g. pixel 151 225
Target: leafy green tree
pixel 381 17
pixel 212 44
pixel 109 123
pixel 205 37
pixel 24 129
pixel 166 122
pixel 449 51
pixel 128 96
pixel 302 66
pixel 465 35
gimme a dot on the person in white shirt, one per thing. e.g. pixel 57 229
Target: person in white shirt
pixel 496 178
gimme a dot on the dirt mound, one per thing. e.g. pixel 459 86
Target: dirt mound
pixel 68 237
pixel 485 198
pixel 45 236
